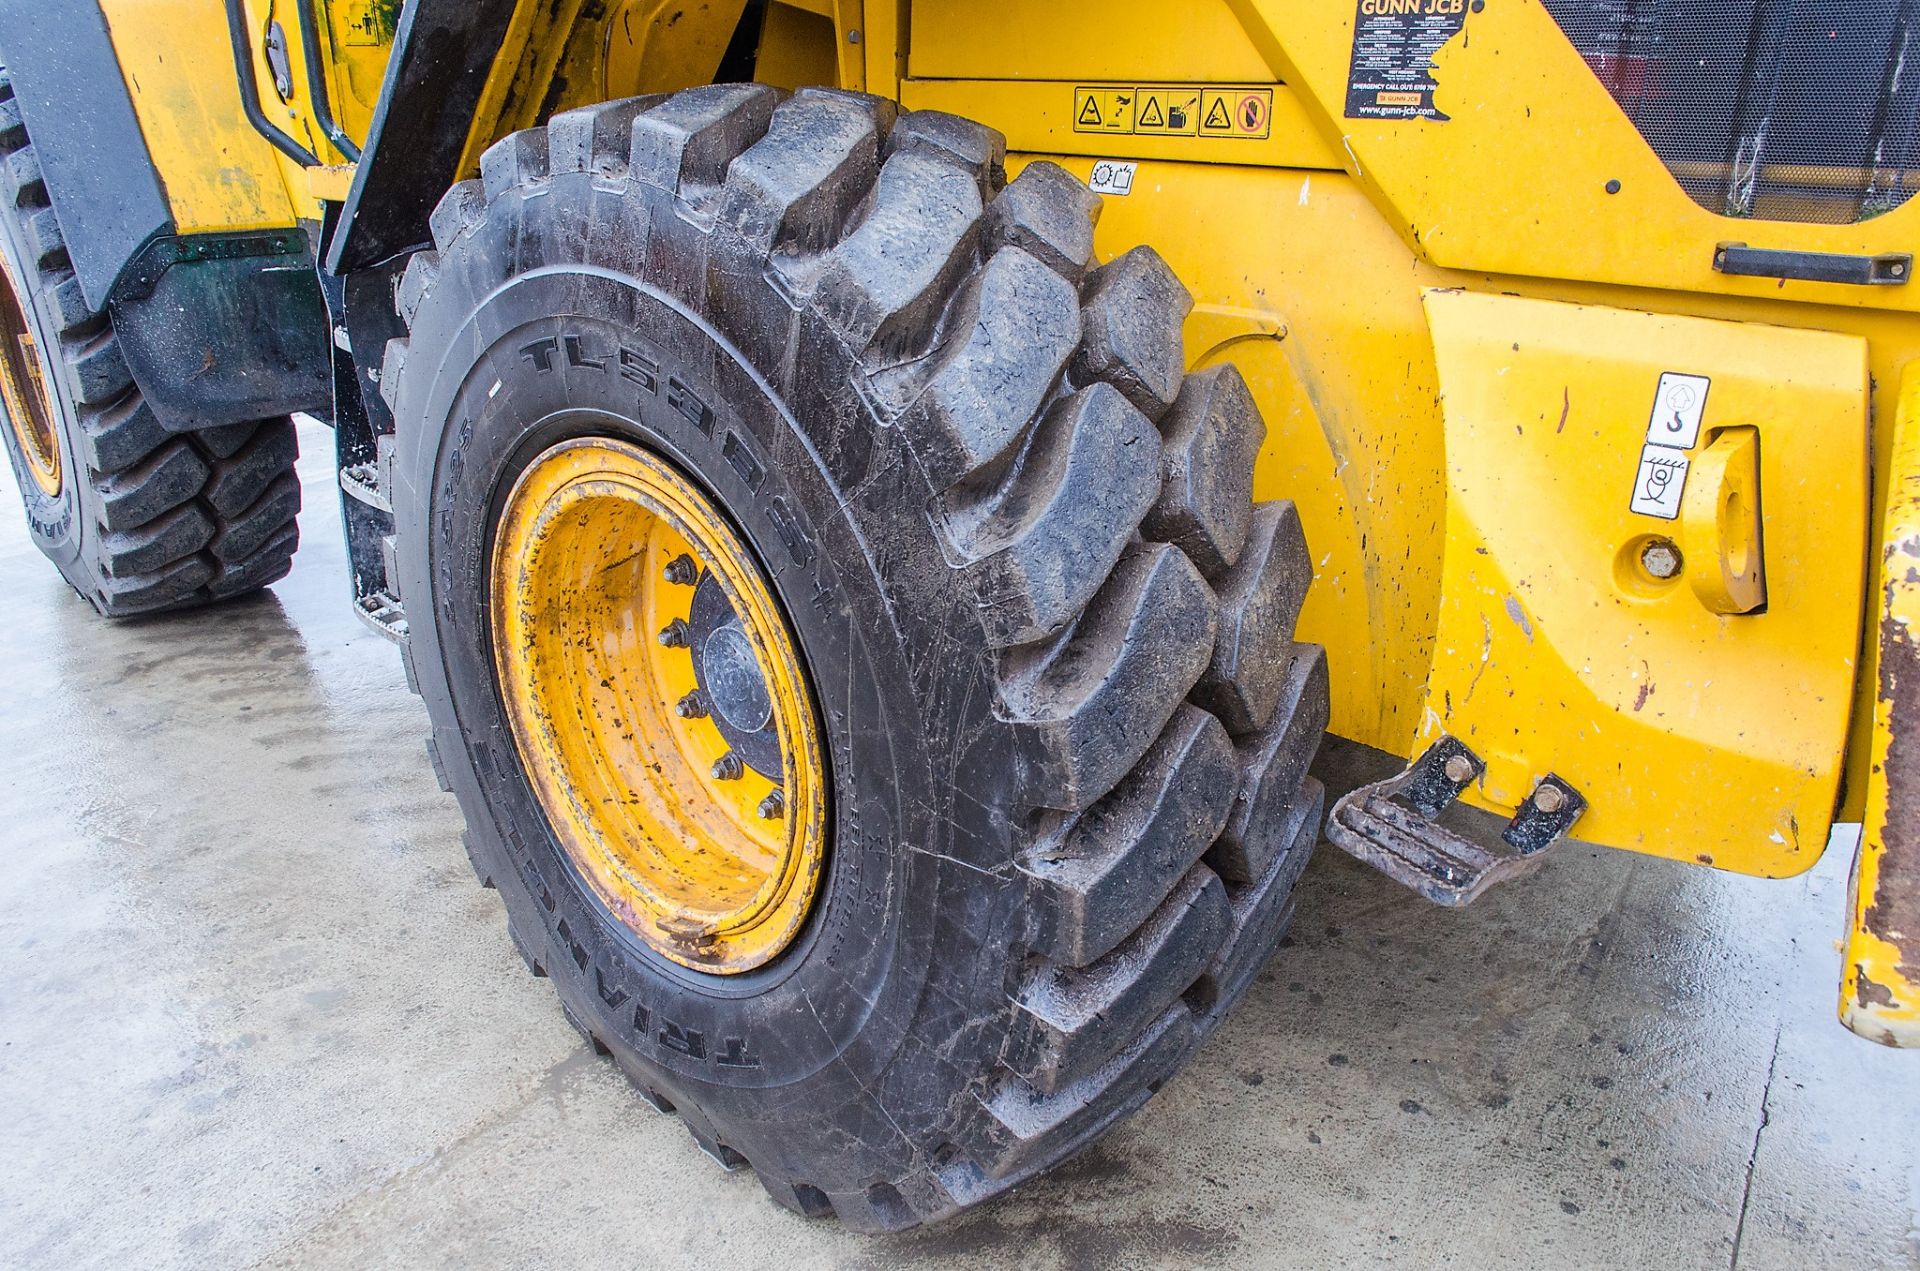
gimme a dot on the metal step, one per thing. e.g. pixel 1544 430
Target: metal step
pixel 1393 826
pixel 381 611
pixel 362 482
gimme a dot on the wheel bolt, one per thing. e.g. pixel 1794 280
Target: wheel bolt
pixel 774 805
pixel 692 706
pixel 674 634
pixel 728 767
pixel 681 571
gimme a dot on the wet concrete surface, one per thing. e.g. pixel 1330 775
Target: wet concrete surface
pixel 255 1011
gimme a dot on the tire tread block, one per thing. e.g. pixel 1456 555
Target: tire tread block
pixel 519 158
pixel 976 149
pixel 1036 1128
pixel 596 139
pixel 1096 881
pixel 161 541
pixel 795 188
pixel 238 481
pixel 1213 432
pixel 1013 332
pixel 245 533
pixel 159 589
pixel 1260 600
pixel 1131 337
pixel 159 483
pixel 1091 705
pixel 460 209
pixel 120 435
pixel 885 286
pixel 1273 767
pixel 1072 1020
pixel 690 139
pixel 268 564
pixel 1048 213
pixel 1260 911
pixel 1052 532
pixel 423 270
pixel 95 370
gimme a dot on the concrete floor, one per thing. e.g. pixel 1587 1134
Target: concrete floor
pixel 255 1011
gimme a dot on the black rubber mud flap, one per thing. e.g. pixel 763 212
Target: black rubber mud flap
pixel 144 519
pixel 1050 634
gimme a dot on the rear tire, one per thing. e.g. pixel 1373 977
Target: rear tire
pixel 138 519
pixel 1051 642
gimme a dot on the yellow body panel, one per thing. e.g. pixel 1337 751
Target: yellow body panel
pixel 359 36
pixel 1558 652
pixel 1542 138
pixel 657 46
pixel 1193 40
pixel 219 174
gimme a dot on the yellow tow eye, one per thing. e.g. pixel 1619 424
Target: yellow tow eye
pixel 659 704
pixel 23 386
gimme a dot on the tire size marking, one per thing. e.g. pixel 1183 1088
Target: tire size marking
pixel 649 1025
pixel 640 367
pixel 636 367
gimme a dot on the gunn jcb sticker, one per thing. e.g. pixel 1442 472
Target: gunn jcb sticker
pixel 1391 73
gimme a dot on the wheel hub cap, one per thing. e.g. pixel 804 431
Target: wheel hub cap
pixel 658 702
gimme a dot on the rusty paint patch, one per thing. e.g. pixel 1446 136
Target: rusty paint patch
pixel 1869 994
pixel 1894 911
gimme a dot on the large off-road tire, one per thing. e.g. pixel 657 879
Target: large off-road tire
pixel 1049 634
pixel 137 519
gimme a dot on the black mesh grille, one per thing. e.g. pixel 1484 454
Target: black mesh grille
pixel 1789 110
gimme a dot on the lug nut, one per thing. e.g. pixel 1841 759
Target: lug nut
pixel 692 706
pixel 1459 770
pixel 674 634
pixel 1661 558
pixel 681 571
pixel 774 805
pixel 1549 798
pixel 728 767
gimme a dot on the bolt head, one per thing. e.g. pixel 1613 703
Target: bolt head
pixel 681 571
pixel 773 806
pixel 1549 798
pixel 1459 770
pixel 1661 559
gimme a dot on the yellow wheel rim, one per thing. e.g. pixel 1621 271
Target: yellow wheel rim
pixel 659 705
pixel 23 386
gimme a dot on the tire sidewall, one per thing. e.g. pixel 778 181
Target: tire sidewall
pixel 53 520
pixel 836 1008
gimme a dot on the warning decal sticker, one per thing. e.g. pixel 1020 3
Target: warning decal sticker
pixel 1391 74
pixel 1679 406
pixel 1112 176
pixel 1174 110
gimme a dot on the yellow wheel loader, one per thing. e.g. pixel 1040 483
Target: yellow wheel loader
pixel 910 519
